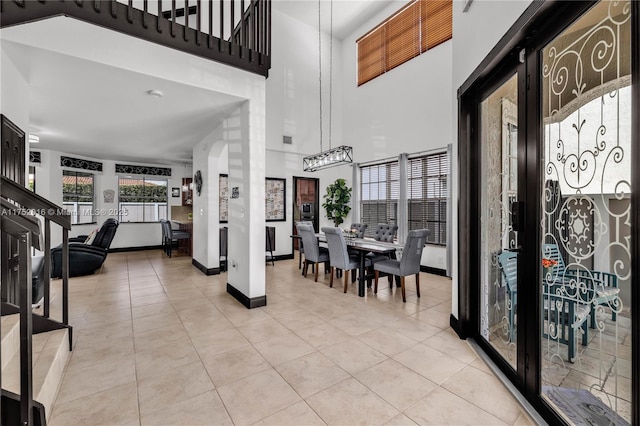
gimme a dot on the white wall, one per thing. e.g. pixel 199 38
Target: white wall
pixel 293 99
pixel 475 33
pixel 49 185
pixel 404 110
pixel 14 96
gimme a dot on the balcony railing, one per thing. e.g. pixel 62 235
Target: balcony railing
pixel 233 32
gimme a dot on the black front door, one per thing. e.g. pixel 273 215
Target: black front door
pixel 549 251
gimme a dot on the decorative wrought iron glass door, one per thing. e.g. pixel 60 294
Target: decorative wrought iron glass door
pixel 549 240
pixel 585 247
pixel 498 236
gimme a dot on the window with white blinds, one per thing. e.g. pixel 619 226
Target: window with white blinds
pixel 380 191
pixel 427 190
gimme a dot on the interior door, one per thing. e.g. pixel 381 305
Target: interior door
pixel 12 155
pixel 306 201
pixel 498 218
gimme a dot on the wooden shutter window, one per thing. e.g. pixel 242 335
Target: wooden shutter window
pixel 403 36
pixel 417 27
pixel 371 56
pixel 437 22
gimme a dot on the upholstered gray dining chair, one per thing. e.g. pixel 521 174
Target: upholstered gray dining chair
pixel 360 228
pixel 339 256
pixel 300 244
pixel 313 253
pixel 409 264
pixel 385 232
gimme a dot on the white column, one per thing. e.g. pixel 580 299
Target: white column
pixel 245 133
pixel 355 194
pixel 403 217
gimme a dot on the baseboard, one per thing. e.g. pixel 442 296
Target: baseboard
pixel 282 257
pixel 140 248
pixel 248 302
pixel 455 325
pixel 204 269
pixel 434 271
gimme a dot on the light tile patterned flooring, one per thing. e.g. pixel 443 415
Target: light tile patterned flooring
pixel 159 343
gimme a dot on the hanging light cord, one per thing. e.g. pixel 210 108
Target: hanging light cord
pixel 320 69
pixel 330 66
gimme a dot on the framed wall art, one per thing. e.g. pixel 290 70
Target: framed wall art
pixel 275 197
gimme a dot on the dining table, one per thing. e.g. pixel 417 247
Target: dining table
pixel 363 246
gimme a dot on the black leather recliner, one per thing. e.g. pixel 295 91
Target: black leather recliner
pixel 85 259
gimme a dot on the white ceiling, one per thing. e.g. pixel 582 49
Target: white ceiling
pixel 89 109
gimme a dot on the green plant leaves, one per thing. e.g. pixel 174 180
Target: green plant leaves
pixel 336 201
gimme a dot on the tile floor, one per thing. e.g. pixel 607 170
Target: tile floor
pixel 159 343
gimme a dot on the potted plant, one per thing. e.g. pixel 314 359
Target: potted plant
pixel 336 201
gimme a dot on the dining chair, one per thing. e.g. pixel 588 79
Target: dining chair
pixel 224 241
pixel 601 287
pixel 339 257
pixel 313 253
pixel 173 236
pixel 360 229
pixel 385 233
pixel 409 264
pixel 300 245
pixel 270 243
pixel 508 264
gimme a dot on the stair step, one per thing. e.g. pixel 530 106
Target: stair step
pixel 50 356
pixel 10 332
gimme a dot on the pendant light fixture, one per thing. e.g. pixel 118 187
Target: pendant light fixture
pixel 333 156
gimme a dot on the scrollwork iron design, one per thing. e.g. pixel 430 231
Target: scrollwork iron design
pixel 585 199
pixel 79 163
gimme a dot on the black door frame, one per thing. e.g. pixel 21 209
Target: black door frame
pixel 316 207
pixel 539 24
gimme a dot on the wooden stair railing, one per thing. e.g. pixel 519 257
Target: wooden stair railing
pixel 20 232
pixel 250 51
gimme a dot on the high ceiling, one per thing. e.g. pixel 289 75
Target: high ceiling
pixel 90 109
pixel 347 14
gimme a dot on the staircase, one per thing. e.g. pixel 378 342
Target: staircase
pixel 49 359
pixel 34 348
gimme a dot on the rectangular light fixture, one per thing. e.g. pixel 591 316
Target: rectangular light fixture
pixel 333 157
pixel 34 138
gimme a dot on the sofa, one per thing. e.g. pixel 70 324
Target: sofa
pixel 85 258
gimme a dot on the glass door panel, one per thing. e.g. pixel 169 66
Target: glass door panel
pixel 498 239
pixel 585 227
